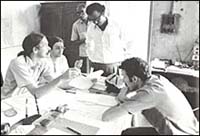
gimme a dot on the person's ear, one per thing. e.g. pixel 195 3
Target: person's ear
pixel 35 50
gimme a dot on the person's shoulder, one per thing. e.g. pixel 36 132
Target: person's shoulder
pixel 77 22
pixel 18 60
pixel 63 57
pixel 46 61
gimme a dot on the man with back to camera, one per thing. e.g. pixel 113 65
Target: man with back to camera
pixel 161 103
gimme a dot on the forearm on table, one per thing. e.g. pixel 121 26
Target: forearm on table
pixel 113 113
pixel 42 90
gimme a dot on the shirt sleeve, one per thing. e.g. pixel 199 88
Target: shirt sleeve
pixel 22 74
pixel 74 35
pixel 140 101
pixel 48 71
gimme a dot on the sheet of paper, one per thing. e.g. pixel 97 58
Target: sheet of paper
pixel 96 74
pixel 81 82
pixel 98 99
pixel 55 131
pixel 5 106
pixel 74 127
pixel 22 130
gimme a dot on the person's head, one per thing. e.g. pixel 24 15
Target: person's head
pixel 80 11
pixel 135 72
pixel 57 46
pixel 95 12
pixel 36 44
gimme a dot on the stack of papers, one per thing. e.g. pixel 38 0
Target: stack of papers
pixel 84 83
pixel 81 82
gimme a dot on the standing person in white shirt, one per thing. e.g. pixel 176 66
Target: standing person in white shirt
pixel 30 66
pixel 78 36
pixel 104 42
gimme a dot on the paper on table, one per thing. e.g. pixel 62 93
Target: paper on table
pixel 98 99
pixel 96 74
pixel 55 131
pixel 81 82
pixel 5 106
pixel 22 130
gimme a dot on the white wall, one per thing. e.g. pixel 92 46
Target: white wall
pixel 166 46
pixel 18 19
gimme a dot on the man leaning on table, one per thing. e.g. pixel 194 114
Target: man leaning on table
pixel 161 103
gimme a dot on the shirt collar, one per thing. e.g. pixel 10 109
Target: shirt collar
pixel 82 22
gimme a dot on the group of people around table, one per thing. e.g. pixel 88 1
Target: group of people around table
pixel 41 67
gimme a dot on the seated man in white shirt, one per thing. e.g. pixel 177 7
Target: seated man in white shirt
pixel 31 66
pixel 161 103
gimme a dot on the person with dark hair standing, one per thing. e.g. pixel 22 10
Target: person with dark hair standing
pixel 78 36
pixel 105 46
pixel 161 103
pixel 30 66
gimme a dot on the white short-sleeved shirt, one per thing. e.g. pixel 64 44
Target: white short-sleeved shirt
pixel 23 72
pixel 105 46
pixel 166 107
pixel 79 29
pixel 59 66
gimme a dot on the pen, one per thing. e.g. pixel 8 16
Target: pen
pixel 78 133
pixel 26 108
pixel 36 104
pixel 112 77
pixel 116 80
pixel 70 92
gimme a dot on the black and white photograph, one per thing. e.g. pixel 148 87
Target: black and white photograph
pixel 99 67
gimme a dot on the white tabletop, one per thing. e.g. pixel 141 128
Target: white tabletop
pixel 84 107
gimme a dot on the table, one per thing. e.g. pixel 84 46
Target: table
pixel 84 107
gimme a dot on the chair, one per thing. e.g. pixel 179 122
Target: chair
pixel 1 80
pixel 196 112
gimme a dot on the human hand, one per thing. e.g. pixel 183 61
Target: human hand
pixel 71 73
pixel 122 95
pixel 78 63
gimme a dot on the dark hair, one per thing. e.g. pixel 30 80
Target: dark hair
pixel 95 7
pixel 30 41
pixel 54 39
pixel 80 6
pixel 136 67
